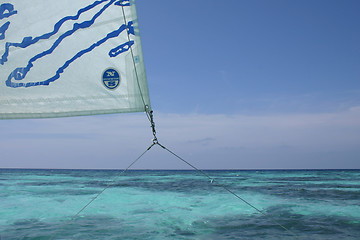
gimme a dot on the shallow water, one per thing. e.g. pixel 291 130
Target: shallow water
pixel 321 204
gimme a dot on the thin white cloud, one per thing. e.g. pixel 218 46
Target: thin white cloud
pixel 329 140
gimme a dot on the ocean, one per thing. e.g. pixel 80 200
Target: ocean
pixel 166 204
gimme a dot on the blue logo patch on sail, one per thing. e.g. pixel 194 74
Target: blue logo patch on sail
pixel 111 78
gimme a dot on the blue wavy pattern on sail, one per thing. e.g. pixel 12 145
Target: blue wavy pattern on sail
pixel 120 49
pixel 123 3
pixel 6 10
pixel 27 41
pixel 3 29
pixel 20 73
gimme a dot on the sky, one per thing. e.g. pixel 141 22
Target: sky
pixel 234 84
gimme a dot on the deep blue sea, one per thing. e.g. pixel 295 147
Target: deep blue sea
pixel 151 204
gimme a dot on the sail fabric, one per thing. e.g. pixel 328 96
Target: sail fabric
pixel 70 58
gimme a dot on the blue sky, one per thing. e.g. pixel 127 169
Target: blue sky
pixel 251 56
pixel 234 84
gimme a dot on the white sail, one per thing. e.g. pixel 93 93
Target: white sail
pixel 70 58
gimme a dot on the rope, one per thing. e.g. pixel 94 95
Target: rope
pixel 149 114
pixel 133 59
pixel 156 142
pixel 94 198
pixel 230 191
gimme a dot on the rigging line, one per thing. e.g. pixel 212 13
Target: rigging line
pixel 133 60
pixel 150 116
pixel 231 192
pixel 99 193
pixel 155 141
pixel 147 109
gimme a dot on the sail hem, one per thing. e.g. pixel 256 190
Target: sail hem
pixel 67 114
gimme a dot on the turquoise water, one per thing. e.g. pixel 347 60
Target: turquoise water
pixel 322 204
